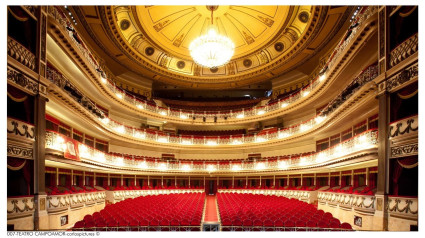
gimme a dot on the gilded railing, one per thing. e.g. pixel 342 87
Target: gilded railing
pixel 351 147
pixel 404 50
pixel 20 53
pixel 364 77
pixel 361 16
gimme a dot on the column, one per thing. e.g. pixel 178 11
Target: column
pixel 40 214
pixel 340 176
pixel 329 179
pixel 381 215
pixel 72 177
pixel 367 176
pixel 57 177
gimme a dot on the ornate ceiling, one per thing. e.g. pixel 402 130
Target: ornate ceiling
pixel 151 42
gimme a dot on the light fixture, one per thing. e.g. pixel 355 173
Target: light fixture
pixel 261 112
pixel 211 142
pixel 186 167
pixel 322 77
pixel 119 95
pixel 212 50
pixel 240 115
pixel 236 167
pixel 285 104
pixel 319 119
pixel 211 168
pixel 105 120
pixel 120 129
pixel 260 166
pixel 140 106
pixel 305 93
pixel 103 79
pixel 183 116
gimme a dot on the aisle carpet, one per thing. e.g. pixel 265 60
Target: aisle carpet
pixel 211 209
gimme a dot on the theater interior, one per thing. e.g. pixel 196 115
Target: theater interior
pixel 212 118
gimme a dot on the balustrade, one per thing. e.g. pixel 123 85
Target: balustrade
pixel 364 141
pixel 363 14
pixel 20 207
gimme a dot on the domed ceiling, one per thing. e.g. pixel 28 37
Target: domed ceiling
pixel 153 41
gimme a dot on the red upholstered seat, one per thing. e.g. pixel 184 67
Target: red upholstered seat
pixel 258 222
pixel 226 222
pixel 311 223
pixel 289 223
pixel 268 223
pixel 247 222
pixel 278 223
pixel 174 222
pixel 346 225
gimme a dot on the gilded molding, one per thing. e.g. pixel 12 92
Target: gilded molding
pixel 404 150
pixel 400 79
pixel 20 152
pixel 20 79
pixel 20 207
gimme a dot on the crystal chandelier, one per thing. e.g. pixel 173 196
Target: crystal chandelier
pixel 211 50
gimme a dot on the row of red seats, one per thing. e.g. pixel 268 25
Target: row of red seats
pixel 152 212
pixel 352 190
pixel 212 133
pixel 61 190
pixel 112 188
pixel 248 210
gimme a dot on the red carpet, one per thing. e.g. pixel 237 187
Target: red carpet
pixel 211 210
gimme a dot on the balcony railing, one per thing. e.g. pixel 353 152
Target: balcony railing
pixel 404 50
pixel 364 77
pixel 365 203
pixel 57 203
pixel 403 207
pixel 20 53
pixel 143 105
pixel 362 142
pixel 404 126
pixel 19 128
pixel 20 207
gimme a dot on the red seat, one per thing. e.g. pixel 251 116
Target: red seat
pixel 346 225
pixel 247 222
pixel 289 223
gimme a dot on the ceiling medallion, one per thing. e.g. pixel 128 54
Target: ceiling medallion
pixel 212 50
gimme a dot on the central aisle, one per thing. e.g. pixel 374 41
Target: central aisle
pixel 211 209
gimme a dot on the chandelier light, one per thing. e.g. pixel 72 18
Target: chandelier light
pixel 211 50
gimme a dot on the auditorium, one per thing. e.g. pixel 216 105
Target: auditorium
pixel 212 118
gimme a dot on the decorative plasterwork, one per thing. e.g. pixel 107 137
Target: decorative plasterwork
pixel 20 207
pixel 404 150
pixel 20 152
pixel 403 207
pixel 401 79
pixel 239 78
pixel 365 30
pixel 21 80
